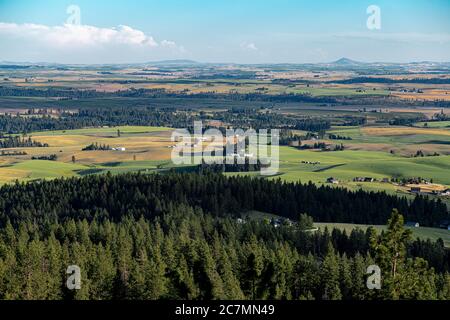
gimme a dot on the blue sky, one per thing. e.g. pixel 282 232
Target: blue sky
pixel 243 31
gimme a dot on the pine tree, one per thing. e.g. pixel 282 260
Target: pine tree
pixel 346 277
pixel 330 276
pixel 251 274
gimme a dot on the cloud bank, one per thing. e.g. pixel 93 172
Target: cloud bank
pixel 83 39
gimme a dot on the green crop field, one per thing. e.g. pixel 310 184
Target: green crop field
pixel 346 165
pixel 148 145
pixel 433 124
pixel 423 233
pixel 336 91
pixel 42 169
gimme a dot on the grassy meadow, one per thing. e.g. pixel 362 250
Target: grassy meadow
pixel 422 233
pixel 377 152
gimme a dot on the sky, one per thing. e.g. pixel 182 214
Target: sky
pixel 224 31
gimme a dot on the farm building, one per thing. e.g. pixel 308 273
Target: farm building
pixel 332 180
pixel 278 222
pixel 444 224
pixel 412 224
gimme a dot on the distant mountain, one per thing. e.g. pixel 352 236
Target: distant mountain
pixel 346 62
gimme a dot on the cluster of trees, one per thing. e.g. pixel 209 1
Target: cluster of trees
pixel 339 147
pixel 287 137
pixel 95 146
pixel 230 167
pixel 20 142
pixel 95 117
pixel 316 145
pixel 52 157
pixel 322 146
pixel 4 153
pixel 403 121
pixel 338 137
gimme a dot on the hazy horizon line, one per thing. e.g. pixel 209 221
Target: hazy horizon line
pixel 192 61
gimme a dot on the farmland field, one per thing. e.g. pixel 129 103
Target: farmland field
pixel 421 232
pixel 145 147
pixel 347 165
pixel 366 155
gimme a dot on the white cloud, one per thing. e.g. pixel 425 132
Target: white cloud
pixel 250 46
pixel 72 43
pixel 79 36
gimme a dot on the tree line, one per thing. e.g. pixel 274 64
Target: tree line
pixel 20 142
pixel 111 197
pixel 159 117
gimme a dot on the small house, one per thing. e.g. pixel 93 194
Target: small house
pixel 276 223
pixel 444 224
pixel 332 180
pixel 412 224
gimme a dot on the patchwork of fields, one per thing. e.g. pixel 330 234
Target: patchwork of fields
pixel 376 152
pixel 144 148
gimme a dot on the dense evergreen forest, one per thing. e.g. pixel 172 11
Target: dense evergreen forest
pixel 112 197
pixel 149 116
pixel 175 237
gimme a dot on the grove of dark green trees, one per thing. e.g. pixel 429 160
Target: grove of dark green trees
pixel 178 236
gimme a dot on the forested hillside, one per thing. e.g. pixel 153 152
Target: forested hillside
pixel 176 236
pixel 136 195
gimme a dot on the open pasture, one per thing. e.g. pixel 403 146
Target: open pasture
pixel 422 233
pixel 147 149
pixel 142 146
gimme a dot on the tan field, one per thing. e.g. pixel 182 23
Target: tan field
pixel 428 187
pixel 8 175
pixel 153 147
pixel 427 95
pixel 401 131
